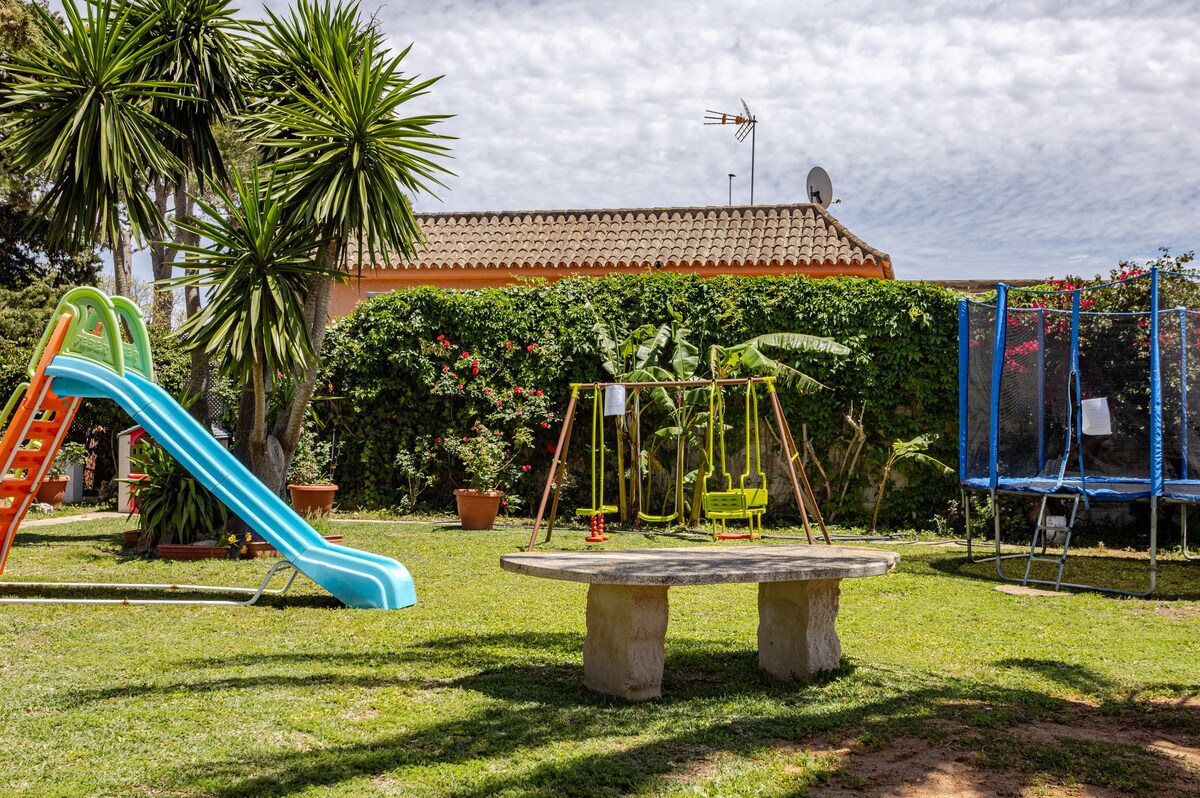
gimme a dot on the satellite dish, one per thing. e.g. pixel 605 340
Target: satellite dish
pixel 820 187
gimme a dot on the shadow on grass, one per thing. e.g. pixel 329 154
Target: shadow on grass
pixel 1177 580
pixel 36 537
pixel 713 704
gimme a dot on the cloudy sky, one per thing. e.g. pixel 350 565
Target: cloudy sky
pixel 988 139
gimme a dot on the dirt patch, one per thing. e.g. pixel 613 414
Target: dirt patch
pixel 909 767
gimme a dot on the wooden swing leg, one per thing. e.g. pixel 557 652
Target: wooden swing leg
pixel 787 454
pixel 812 497
pixel 562 471
pixel 554 477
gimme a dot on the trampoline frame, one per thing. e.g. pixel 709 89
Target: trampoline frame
pixel 1158 491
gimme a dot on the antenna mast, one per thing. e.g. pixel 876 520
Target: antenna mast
pixel 747 126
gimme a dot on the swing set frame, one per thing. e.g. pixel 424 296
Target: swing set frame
pixel 801 487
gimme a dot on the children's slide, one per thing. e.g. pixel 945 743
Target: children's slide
pixel 96 347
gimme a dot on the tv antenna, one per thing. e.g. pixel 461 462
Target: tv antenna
pixel 746 123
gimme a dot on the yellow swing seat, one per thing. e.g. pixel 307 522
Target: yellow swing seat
pixel 588 512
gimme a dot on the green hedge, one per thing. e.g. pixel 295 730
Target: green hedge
pixel 381 366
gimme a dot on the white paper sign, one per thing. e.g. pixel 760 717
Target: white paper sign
pixel 1096 420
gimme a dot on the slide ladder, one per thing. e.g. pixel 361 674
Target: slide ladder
pixel 38 420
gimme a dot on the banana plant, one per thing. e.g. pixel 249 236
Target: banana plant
pixel 912 449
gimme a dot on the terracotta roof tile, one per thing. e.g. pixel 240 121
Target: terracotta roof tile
pixel 733 237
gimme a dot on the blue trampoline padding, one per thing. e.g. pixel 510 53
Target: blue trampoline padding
pixel 1098 488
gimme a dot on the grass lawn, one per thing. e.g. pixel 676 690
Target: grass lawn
pixel 948 686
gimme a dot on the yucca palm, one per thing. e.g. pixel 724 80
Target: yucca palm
pixel 258 264
pixel 78 110
pixel 204 58
pixel 342 162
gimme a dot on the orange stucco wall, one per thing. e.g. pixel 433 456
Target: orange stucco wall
pixel 343 298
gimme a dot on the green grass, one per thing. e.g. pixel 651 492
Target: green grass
pixel 477 690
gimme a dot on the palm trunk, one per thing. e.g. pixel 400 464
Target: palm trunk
pixel 123 262
pixel 887 470
pixel 160 264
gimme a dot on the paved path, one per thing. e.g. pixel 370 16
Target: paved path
pixel 798 589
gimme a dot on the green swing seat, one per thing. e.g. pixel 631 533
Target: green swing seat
pixel 741 503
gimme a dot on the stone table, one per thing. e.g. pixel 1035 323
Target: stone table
pixel 798 589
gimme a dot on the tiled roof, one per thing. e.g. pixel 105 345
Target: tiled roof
pixel 783 236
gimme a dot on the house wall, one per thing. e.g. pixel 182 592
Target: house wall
pixel 343 298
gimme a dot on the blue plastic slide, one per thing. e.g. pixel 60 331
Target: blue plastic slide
pixel 357 578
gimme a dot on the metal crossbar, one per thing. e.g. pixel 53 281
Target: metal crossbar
pixel 255 593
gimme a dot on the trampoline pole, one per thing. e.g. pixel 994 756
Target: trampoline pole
pixel 966 500
pixel 1183 508
pixel 996 531
pixel 1153 543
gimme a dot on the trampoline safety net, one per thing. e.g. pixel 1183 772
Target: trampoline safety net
pixel 1092 390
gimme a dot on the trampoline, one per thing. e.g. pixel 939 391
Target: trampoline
pixel 1082 394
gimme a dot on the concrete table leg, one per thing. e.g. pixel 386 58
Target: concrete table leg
pixel 623 652
pixel 796 635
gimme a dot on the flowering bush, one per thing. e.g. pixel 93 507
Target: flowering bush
pixel 501 419
pixel 313 462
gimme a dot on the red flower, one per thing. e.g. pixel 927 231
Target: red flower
pixel 531 347
pixel 497 432
pixel 539 393
pixel 466 355
pixel 441 338
pixel 518 389
pixel 445 344
pixel 550 448
pixel 545 425
pixel 508 344
pixel 499 403
pixel 474 362
pixel 526 467
pixel 474 371
pixel 437 441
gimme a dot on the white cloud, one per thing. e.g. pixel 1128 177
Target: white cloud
pixel 1000 140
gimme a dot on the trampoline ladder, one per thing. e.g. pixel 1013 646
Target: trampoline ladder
pixel 1047 524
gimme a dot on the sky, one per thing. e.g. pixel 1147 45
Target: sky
pixel 967 140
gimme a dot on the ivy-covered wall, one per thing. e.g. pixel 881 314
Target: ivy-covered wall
pixel 383 364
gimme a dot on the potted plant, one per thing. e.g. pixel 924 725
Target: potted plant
pixel 500 416
pixel 175 512
pixel 309 481
pixel 54 484
pixel 484 456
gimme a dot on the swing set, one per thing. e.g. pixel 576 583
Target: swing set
pixel 721 498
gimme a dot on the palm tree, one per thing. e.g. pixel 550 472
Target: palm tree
pixel 258 265
pixel 78 110
pixel 204 57
pixel 342 162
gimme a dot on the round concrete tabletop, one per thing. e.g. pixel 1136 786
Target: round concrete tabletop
pixel 708 565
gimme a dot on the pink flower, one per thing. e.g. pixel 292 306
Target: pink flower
pixel 526 467
pixel 437 441
pixel 466 439
pixel 445 369
pixel 497 432
pixel 460 386
pixel 518 389
pixel 508 344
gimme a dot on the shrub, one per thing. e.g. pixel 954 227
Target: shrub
pixel 903 364
pixel 173 507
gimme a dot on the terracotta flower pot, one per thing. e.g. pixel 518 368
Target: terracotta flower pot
pixel 477 508
pixel 312 499
pixel 52 491
pixel 261 548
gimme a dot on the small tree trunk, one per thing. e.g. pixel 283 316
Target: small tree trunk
pixel 160 265
pixel 887 470
pixel 123 263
